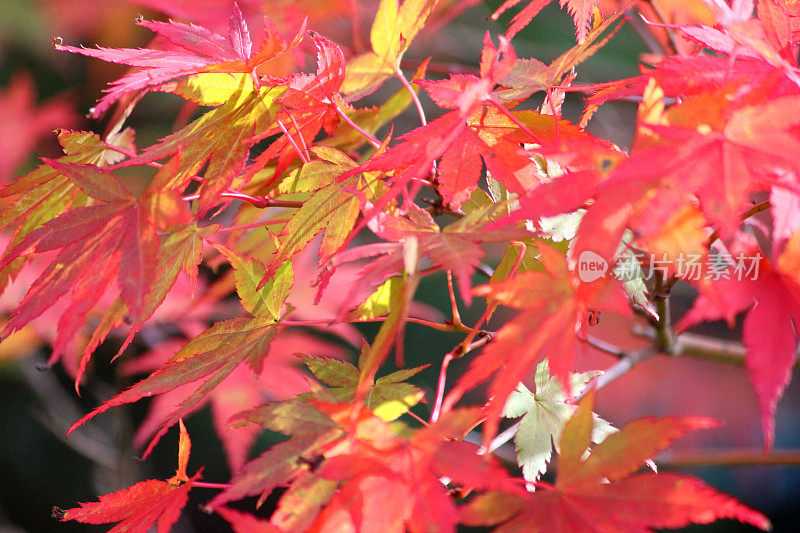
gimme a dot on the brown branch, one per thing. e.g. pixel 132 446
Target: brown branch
pixel 704 347
pixel 730 457
pixel 753 211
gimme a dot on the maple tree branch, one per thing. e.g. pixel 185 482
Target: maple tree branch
pixel 756 209
pixel 730 457
pixel 620 368
pixel 664 338
pixel 604 346
pixel 705 347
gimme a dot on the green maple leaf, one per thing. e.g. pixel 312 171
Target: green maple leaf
pixel 544 414
pixel 388 398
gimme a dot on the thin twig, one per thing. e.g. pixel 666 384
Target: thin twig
pixel 517 122
pixel 756 209
pixel 440 385
pixel 257 201
pixel 261 224
pixel 453 303
pixel 604 346
pixel 620 368
pixel 410 89
pixel 372 140
pixel 205 485
pixel 292 141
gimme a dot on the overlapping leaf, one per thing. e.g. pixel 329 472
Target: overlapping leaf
pixel 599 493
pixel 210 356
pixel 143 505
pixel 198 50
pixel 555 304
pixel 544 413
pixel 395 26
pixel 93 241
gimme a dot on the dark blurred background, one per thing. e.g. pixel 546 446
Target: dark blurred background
pixel 41 90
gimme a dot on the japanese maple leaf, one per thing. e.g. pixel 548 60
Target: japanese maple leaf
pixel 389 397
pixel 288 461
pixel 143 505
pixel 395 25
pixel 734 150
pixel 214 354
pixel 736 33
pixel 474 108
pixel 555 304
pixel 528 76
pixel 393 484
pixel 197 50
pixel 682 76
pixel 456 247
pixel 598 492
pixel 242 390
pixel 93 242
pixel 770 297
pixel 221 138
pixel 581 11
pixel 308 106
pixel 722 139
pixel 544 413
pixel 43 194
pixel 23 124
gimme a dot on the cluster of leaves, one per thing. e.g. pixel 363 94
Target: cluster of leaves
pixel 282 170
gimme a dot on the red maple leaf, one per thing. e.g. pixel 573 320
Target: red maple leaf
pixel 770 296
pixel 197 50
pixel 93 242
pixel 142 505
pixel 389 483
pixel 456 247
pixel 581 11
pixel 598 493
pixel 555 304
pixel 240 391
pixel 308 106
